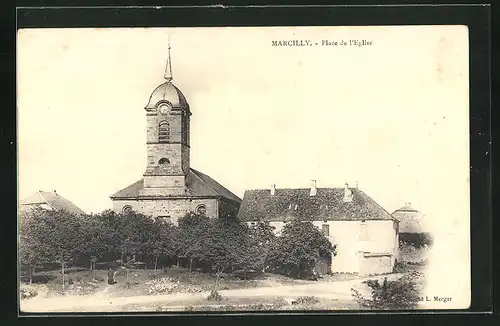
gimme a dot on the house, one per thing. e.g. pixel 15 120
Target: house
pixel 170 188
pixel 365 234
pixel 51 201
pixel 410 219
pixel 414 235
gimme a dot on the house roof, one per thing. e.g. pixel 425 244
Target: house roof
pixel 328 204
pixel 199 184
pixel 406 208
pixel 52 199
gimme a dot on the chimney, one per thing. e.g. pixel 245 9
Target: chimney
pixel 273 190
pixel 313 188
pixel 347 193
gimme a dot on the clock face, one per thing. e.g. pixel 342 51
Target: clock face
pixel 164 108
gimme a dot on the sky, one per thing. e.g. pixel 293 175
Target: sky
pixel 392 116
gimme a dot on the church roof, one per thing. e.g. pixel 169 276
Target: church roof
pixel 52 199
pixel 199 184
pixel 327 204
pixel 170 93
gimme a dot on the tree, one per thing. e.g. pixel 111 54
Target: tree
pixel 299 247
pixel 67 238
pixel 229 246
pixel 193 238
pixel 161 240
pixel 111 224
pixel 132 234
pixel 263 239
pixel 33 247
pixel 128 232
pixel 50 236
pixel 98 239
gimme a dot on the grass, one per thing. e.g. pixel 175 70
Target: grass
pixel 48 282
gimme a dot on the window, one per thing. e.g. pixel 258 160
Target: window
pixel 325 229
pixel 201 210
pixel 164 132
pixel 127 209
pixel 163 161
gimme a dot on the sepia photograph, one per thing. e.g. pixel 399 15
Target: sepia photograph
pixel 236 169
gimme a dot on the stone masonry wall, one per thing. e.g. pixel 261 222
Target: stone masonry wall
pixel 175 208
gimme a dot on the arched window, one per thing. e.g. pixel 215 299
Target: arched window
pixel 201 210
pixel 164 132
pixel 127 209
pixel 163 161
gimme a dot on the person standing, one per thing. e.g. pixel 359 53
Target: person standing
pixel 111 276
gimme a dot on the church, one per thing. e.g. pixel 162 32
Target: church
pixel 170 188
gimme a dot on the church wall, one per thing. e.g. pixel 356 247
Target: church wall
pixel 153 122
pixel 118 205
pixel 175 208
pixel 170 151
pixel 158 184
pixel 228 207
pixel 185 159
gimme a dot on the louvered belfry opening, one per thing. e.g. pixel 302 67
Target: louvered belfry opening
pixel 164 132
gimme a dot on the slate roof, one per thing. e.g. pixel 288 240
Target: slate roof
pixel 54 200
pixel 406 208
pixel 199 184
pixel 328 204
pixel 168 92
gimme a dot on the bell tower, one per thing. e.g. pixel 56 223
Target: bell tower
pixel 167 141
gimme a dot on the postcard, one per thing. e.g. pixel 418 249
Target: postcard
pixel 243 169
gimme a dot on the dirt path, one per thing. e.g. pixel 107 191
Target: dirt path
pixel 102 302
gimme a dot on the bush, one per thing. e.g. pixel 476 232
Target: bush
pixel 408 266
pixel 415 240
pixel 279 302
pixel 390 295
pixel 306 300
pixel 161 285
pixel 27 293
pixel 276 304
pixel 214 296
pixel 128 285
pixel 82 287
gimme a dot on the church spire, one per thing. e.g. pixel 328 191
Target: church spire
pixel 168 68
